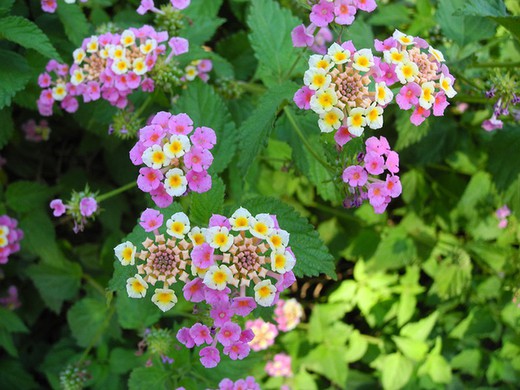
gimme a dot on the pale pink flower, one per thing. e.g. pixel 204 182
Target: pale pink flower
pixel 88 206
pixel 209 357
pixel 201 334
pixel 151 219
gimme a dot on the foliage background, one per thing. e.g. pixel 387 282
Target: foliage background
pixel 419 297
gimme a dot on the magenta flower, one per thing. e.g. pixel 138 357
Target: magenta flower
pixel 419 115
pixel 408 96
pixel 301 37
pixel 219 220
pixel 49 5
pixel 149 179
pixel 204 137
pixel 87 206
pixel 229 334
pixel 393 186
pixel 146 5
pixel 150 220
pixel 365 5
pixel 355 176
pixel 202 256
pixel 387 44
pixel 58 207
pixel 303 96
pixel 392 162
pixel 322 13
pixel 180 4
pixel 344 12
pixel 440 104
pixel 492 123
pixel 199 181
pixel 221 313
pixel 201 334
pixel 209 357
pixel 377 193
pixel 374 163
pixel 242 306
pixel 179 45
pixel 503 212
pixel 385 72
pixel 198 159
pixel 237 351
pixel 161 197
pixel 379 146
pixel 286 280
pixel 342 136
pixel 180 124
pixel 183 335
pixel 151 135
pixel 194 291
pixel 44 80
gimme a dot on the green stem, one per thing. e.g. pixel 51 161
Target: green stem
pixel 117 191
pixel 252 87
pixel 144 105
pixel 90 280
pixel 496 65
pixel 98 334
pixel 473 99
pixel 305 141
pixel 337 212
pixel 296 60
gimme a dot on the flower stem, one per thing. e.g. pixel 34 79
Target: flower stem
pixel 146 103
pixel 296 60
pixel 99 333
pixel 305 141
pixel 117 191
pixel 90 280
pixel 496 65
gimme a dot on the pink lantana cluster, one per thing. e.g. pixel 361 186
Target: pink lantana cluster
pixel 427 82
pixel 51 5
pixel 36 132
pixel 198 68
pixel 288 314
pixel 82 206
pixel 265 334
pixel 109 66
pixel 323 13
pixel 149 5
pixel 241 384
pixel 230 265
pixel 175 163
pixel 362 179
pixel 279 366
pixel 502 214
pixel 10 237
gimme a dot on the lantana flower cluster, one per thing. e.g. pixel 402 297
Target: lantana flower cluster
pixel 10 237
pixel 232 265
pixel 288 314
pixel 323 13
pixel 36 132
pixel 502 214
pixel 350 88
pixel 280 366
pixel 175 160
pixel 363 178
pixel 505 91
pixel 108 66
pixel 82 206
pixel 50 6
pixel 248 383
pixel 149 5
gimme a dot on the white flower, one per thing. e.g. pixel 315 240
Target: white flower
pixel 127 38
pixel 175 182
pixel 164 298
pixel 394 56
pixel 120 66
pixel 282 262
pixel 191 72
pixel 330 120
pixel 446 84
pixel 218 237
pixel 436 53
pixel 363 60
pixel 323 100
pixel 155 158
pixel 374 116
pixel 383 94
pixel 197 236
pixel 316 78
pixel 78 55
pixel 136 287
pixel 240 219
pixel 217 277
pixel 261 225
pixel 59 92
pixel 178 146
pixel 265 293
pixel 320 62
pixel 427 97
pixel 139 66
pixel 338 54
pixel 77 77
pixel 278 239
pixel 93 44
pixel 356 121
pixel 125 253
pixel 406 71
pixel 403 39
pixel 148 46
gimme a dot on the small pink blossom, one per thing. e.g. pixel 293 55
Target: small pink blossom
pixel 146 5
pixel 365 5
pixel 180 124
pixel 204 137
pixel 151 219
pixel 180 4
pixel 201 334
pixel 374 163
pixel 198 159
pixel 379 146
pixel 217 297
pixel 161 197
pixel 202 256
pixel 221 313
pixel 237 351
pixel 322 13
pixel 44 80
pixel 392 162
pixel 492 123
pixel 49 5
pixel 355 176
pixel 209 357
pixel 88 206
pixel 58 207
pixel 303 96
pixel 301 37
pixel 194 291
pixel 219 220
pixel 408 96
pixel 419 115
pixel 178 45
pixel 393 186
pixel 151 135
pixel 243 306
pixel 342 136
pixel 279 366
pixel 229 334
pixel 377 194
pixel 149 179
pixel 344 12
pixel 183 335
pixel 199 181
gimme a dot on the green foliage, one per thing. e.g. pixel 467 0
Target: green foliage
pixel 203 206
pixel 74 22
pixel 14 75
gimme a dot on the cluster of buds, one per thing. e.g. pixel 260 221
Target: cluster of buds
pixel 427 82
pixel 280 366
pixel 174 162
pixel 51 5
pixel 502 214
pixel 232 265
pixel 362 178
pixel 505 90
pixel 10 237
pixel 108 66
pixel 158 342
pixel 36 132
pixel 337 87
pixel 324 12
pixel 74 377
pixel 81 207
pixel 241 384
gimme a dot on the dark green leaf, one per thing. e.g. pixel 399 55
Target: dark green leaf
pixel 203 206
pixel 14 75
pixel 24 196
pixel 74 22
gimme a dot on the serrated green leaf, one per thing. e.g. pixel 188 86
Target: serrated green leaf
pixel 504 165
pixel 413 349
pixel 206 108
pixel 256 129
pixel 420 330
pixel 90 320
pixel 11 322
pixel 149 378
pixel 14 75
pixel 237 50
pixel 312 256
pixel 203 206
pixel 270 38
pixel 14 376
pixel 27 34
pixel 56 284
pixel 407 133
pixel 24 196
pixel 467 361
pixel 326 360
pixel 74 22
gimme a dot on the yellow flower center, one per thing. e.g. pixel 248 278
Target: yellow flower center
pixel 357 120
pixel 127 253
pixel 264 291
pixel 241 222
pixel 373 114
pixel 331 118
pixel 363 61
pixel 178 227
pixel 164 297
pixel 158 158
pixel 261 227
pixel 220 239
pixel 137 286
pixel 175 181
pixel 175 147
pixel 276 241
pixel 219 277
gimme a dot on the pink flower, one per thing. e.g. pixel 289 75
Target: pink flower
pixel 198 159
pixel 179 45
pixel 287 279
pixel 322 13
pixel 377 193
pixel 200 334
pixel 365 5
pixel 393 186
pixel 209 357
pixel 355 176
pixel 44 80
pixel 70 104
pixel 205 66
pixel 87 206
pixel 440 104
pixel 387 44
pixel 180 124
pixel 374 163
pixel 301 37
pixel 204 137
pixel 151 135
pixel 419 115
pixel 492 123
pixel 219 220
pixel 243 305
pixel 344 12
pixel 265 333
pixel 162 118
pixel 194 291
pixel 247 335
pixel 136 154
pixel 303 96
pixel 161 197
pixel 279 366
pixel 151 219
pixel 342 136
pixel 49 5
pixel 221 313
pixel 502 224
pixel 146 5
pixel 379 146
pixel 11 301
pixel 392 162
pixel 202 256
pixel 385 73
pixel 58 207
pixel 148 85
pixel 180 4
pixel 183 335
pixel 149 179
pixel 229 333
pixel 133 80
pixel 323 36
pixel 503 212
pixel 199 181
pixel 408 96
pixel 238 351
